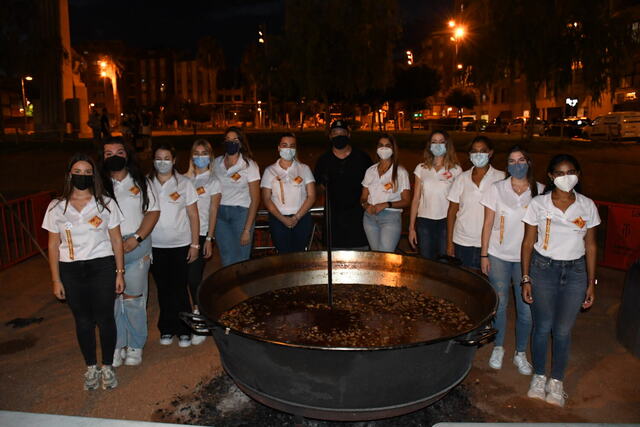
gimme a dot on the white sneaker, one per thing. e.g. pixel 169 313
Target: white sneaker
pixel 134 357
pixel 197 339
pixel 92 378
pixel 185 341
pixel 555 392
pixel 495 361
pixel 520 360
pixel 166 339
pixel 537 386
pixel 118 356
pixel 109 379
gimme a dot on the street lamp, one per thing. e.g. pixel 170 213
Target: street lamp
pixel 409 57
pixel 24 99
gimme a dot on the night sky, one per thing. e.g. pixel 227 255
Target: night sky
pixel 233 23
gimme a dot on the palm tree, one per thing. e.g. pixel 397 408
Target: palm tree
pixel 210 57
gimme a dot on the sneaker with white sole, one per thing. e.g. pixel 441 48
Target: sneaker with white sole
pixel 537 387
pixel 495 361
pixel 555 392
pixel 134 357
pixel 109 379
pixel 166 339
pixel 118 357
pixel 92 378
pixel 520 360
pixel 197 339
pixel 185 341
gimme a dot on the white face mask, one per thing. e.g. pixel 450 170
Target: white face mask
pixel 566 182
pixel 384 152
pixel 287 153
pixel 479 160
pixel 163 166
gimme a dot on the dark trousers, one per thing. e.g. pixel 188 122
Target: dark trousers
pixel 196 268
pixel 469 255
pixel 432 237
pixel 169 270
pixel 294 239
pixel 90 288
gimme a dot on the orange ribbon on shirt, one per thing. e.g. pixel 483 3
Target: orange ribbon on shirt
pixel 70 243
pixel 547 234
pixel 501 228
pixel 281 190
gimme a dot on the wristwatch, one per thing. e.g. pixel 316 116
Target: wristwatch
pixel 525 279
pixel 138 238
pixel 389 204
pixel 209 238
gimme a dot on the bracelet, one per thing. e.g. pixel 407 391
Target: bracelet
pixel 209 238
pixel 484 256
pixel 120 270
pixel 195 246
pixel 525 279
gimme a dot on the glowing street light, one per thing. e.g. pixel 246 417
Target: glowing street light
pixel 24 99
pixel 28 78
pixel 103 74
pixel 409 57
pixel 452 23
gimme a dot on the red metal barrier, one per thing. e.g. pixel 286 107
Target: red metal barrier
pixel 621 225
pixel 15 243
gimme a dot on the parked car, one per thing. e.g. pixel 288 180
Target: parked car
pixel 618 125
pixel 516 126
pixel 570 127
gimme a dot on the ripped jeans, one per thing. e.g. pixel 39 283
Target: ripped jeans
pixel 131 313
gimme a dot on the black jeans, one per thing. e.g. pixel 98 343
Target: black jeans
pixel 169 271
pixel 432 237
pixel 90 287
pixel 196 268
pixel 294 239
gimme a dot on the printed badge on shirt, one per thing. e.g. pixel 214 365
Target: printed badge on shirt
pixel 236 176
pixel 298 180
pixel 200 190
pixel 134 190
pixel 579 222
pixel 95 221
pixel 174 196
pixel 388 186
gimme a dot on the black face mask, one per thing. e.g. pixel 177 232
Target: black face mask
pixel 231 147
pixel 82 182
pixel 115 163
pixel 340 141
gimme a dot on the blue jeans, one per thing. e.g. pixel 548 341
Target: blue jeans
pixel 432 237
pixel 131 313
pixel 469 255
pixel 229 227
pixel 383 230
pixel 294 239
pixel 501 275
pixel 558 289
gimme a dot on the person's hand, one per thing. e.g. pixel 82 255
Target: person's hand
pixel 526 293
pixel 451 250
pixel 380 207
pixel 294 221
pixel 58 290
pixel 413 238
pixel 120 285
pixel 590 296
pixel 192 255
pixel 207 250
pixel 245 238
pixel 130 244
pixel 485 265
pixel 371 209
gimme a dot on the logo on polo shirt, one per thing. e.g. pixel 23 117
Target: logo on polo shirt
pixel 297 180
pixel 134 190
pixel 174 196
pixel 579 222
pixel 200 190
pixel 95 221
pixel 447 174
pixel 388 186
pixel 236 176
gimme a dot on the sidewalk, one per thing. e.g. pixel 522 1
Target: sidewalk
pixel 41 367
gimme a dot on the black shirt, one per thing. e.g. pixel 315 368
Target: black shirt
pixel 345 185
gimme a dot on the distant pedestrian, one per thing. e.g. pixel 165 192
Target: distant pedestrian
pixel 87 263
pixel 95 125
pixel 105 126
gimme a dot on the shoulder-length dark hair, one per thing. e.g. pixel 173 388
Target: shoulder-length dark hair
pixel 245 149
pixel 170 148
pixel 394 157
pixel 555 161
pixel 530 178
pixel 133 168
pixel 450 157
pixel 96 189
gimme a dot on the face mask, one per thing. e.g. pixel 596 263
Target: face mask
pixel 231 147
pixel 566 182
pixel 287 153
pixel 115 163
pixel 438 149
pixel 518 170
pixel 201 162
pixel 479 160
pixel 82 182
pixel 340 141
pixel 384 152
pixel 163 166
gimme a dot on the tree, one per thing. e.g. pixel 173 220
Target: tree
pixel 413 86
pixel 461 97
pixel 210 57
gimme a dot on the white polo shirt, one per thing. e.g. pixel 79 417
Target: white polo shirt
pixel 435 187
pixel 507 230
pixel 129 198
pixel 235 180
pixel 173 229
pixel 288 186
pixel 206 185
pixel 84 235
pixel 468 227
pixel 381 187
pixel 561 234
